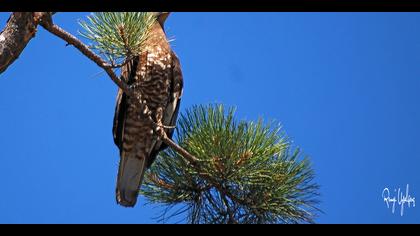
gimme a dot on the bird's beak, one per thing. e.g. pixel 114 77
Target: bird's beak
pixel 162 17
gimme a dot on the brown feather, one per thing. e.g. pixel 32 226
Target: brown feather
pixel 156 72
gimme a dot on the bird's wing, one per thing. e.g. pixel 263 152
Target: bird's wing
pixel 132 162
pixel 127 75
pixel 119 116
pixel 171 112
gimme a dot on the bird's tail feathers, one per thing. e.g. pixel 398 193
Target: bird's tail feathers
pixel 130 176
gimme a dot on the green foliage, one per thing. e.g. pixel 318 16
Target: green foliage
pixel 247 173
pixel 117 35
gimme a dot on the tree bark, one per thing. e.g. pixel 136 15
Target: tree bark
pixel 19 30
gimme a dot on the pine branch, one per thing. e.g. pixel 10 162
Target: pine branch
pixel 247 172
pixel 72 40
pixel 118 35
pixel 48 24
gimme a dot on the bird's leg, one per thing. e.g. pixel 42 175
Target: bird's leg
pixel 159 118
pixel 159 125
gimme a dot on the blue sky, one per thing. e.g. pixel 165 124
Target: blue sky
pixel 345 86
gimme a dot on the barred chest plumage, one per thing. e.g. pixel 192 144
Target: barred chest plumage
pixel 153 80
pixel 153 75
pixel 156 75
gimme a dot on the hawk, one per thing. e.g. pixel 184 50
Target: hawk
pixel 156 75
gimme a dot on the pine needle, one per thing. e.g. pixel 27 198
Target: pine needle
pixel 117 35
pixel 248 172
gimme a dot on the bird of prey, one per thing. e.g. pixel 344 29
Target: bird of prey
pixel 156 75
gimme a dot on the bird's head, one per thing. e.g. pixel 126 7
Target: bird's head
pixel 161 18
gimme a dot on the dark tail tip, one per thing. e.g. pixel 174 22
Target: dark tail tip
pixel 130 176
pixel 126 198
